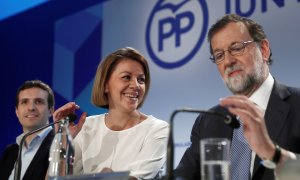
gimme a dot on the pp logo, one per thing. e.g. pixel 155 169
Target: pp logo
pixel 176 31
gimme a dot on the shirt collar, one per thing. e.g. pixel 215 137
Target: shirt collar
pixel 40 135
pixel 262 95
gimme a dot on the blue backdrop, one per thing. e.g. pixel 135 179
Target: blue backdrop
pixel 61 43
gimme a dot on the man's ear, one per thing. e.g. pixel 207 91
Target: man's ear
pixel 265 49
pixel 51 111
pixel 16 111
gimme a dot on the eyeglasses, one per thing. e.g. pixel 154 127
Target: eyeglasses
pixel 236 49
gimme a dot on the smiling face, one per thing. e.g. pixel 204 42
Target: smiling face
pixel 125 88
pixel 243 73
pixel 32 109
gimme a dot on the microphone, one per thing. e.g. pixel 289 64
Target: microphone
pixel 18 165
pixel 222 112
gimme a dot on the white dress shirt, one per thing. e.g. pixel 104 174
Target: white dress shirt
pixel 29 152
pixel 261 97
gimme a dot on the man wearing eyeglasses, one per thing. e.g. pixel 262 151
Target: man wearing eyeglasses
pixel 267 110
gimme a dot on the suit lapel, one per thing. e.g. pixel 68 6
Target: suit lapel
pixel 276 114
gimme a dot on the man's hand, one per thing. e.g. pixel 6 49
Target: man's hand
pixel 252 117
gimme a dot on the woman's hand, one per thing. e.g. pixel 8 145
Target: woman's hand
pixel 66 110
pixel 75 128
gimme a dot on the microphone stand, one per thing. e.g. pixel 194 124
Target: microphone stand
pixel 18 165
pixel 228 119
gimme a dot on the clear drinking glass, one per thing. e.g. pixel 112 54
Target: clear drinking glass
pixel 215 159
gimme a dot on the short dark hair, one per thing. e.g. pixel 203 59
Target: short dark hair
pixel 37 84
pixel 255 30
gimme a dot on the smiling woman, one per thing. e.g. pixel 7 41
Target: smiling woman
pixel 123 139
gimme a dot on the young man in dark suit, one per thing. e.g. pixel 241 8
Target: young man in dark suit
pixel 34 106
pixel 268 111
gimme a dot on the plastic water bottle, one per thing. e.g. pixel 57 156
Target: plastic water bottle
pixel 61 157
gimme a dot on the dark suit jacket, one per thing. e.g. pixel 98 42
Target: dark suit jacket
pixel 38 167
pixel 282 118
